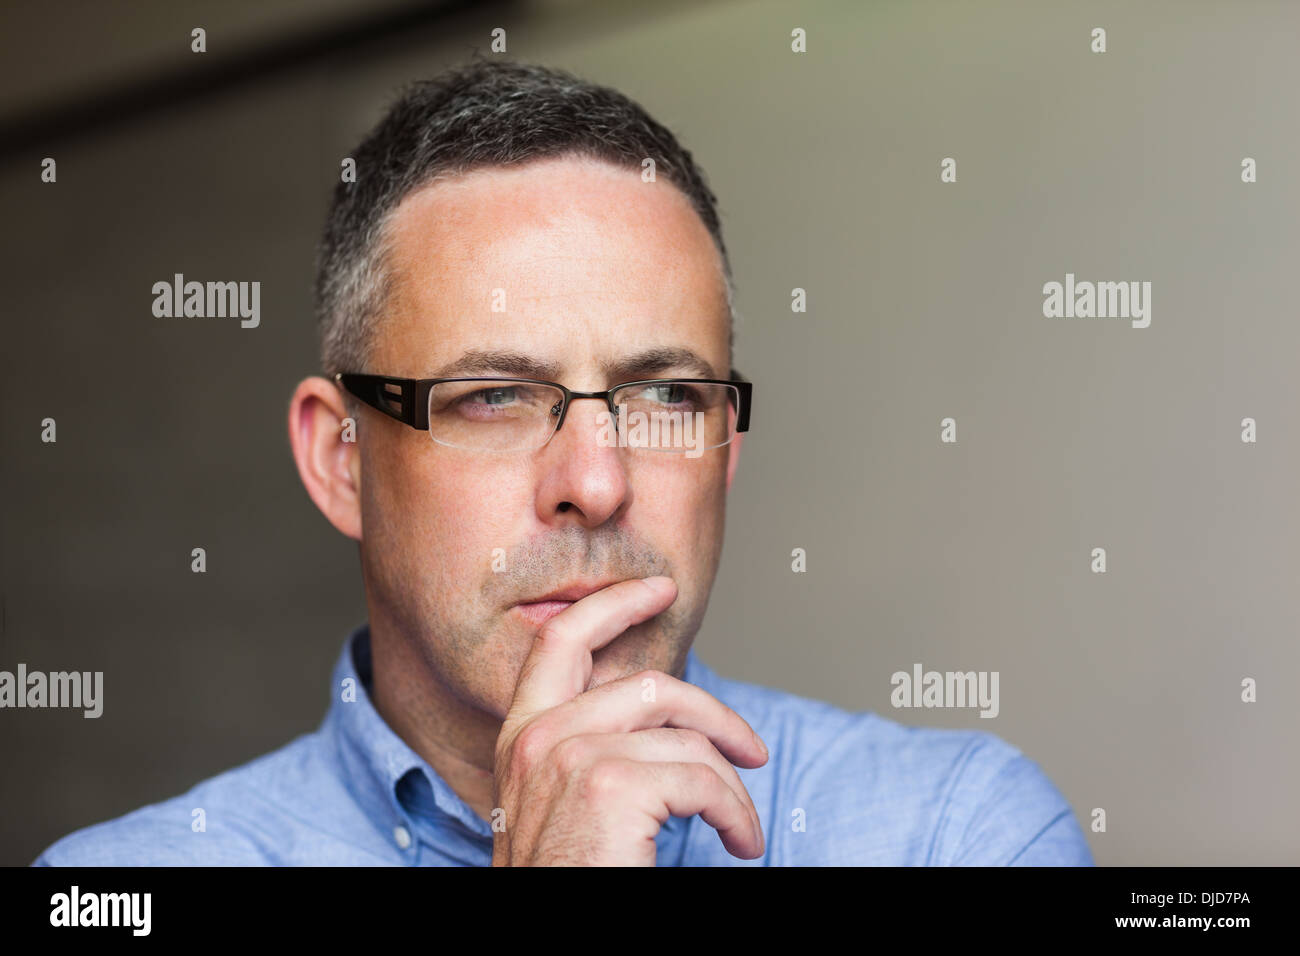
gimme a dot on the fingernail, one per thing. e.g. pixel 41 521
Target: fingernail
pixel 759 740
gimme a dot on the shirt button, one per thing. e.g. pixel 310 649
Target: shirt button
pixel 402 836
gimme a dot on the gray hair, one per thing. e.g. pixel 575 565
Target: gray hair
pixel 485 113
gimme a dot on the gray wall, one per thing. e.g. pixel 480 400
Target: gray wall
pixel 924 302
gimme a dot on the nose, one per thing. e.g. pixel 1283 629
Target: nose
pixel 584 479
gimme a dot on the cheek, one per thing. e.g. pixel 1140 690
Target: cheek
pixel 461 512
pixel 682 507
pixel 432 514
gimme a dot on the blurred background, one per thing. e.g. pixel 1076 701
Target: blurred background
pixel 924 302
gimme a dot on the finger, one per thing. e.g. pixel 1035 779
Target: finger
pixel 620 707
pixel 558 666
pixel 685 789
pixel 660 745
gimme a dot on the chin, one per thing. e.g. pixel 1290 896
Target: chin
pixel 629 654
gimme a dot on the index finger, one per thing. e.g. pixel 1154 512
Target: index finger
pixel 558 666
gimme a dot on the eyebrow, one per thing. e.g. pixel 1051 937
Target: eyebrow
pixel 498 362
pixel 518 365
pixel 656 360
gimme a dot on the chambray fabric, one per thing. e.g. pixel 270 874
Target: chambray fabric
pixel 839 788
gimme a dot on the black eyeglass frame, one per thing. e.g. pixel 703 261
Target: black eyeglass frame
pixel 413 394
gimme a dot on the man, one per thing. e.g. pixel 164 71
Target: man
pixel 524 263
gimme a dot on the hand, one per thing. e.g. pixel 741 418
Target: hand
pixel 588 777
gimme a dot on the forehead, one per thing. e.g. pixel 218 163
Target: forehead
pixel 572 260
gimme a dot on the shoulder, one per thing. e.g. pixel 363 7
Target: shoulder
pixel 241 817
pixel 857 788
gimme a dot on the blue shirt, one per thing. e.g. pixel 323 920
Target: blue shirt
pixel 839 788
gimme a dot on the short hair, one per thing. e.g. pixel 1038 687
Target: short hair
pixel 488 112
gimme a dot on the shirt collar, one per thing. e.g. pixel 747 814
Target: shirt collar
pixel 389 779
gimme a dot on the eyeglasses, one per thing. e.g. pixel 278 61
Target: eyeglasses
pixel 675 415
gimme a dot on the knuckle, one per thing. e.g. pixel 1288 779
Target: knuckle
pixel 705 777
pixel 570 755
pixel 530 746
pixel 659 677
pixel 693 742
pixel 664 685
pixel 605 779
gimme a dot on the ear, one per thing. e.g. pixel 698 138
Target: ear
pixel 329 465
pixel 733 457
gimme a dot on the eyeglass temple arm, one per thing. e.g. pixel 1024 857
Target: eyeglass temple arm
pixel 746 392
pixel 383 393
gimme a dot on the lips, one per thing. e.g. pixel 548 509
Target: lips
pixel 539 612
pixel 574 591
pixel 542 609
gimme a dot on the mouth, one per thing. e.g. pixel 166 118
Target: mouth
pixel 542 609
pixel 539 612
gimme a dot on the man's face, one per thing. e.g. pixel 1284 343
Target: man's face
pixel 595 268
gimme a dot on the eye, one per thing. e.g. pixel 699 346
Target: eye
pixel 668 393
pixel 501 395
